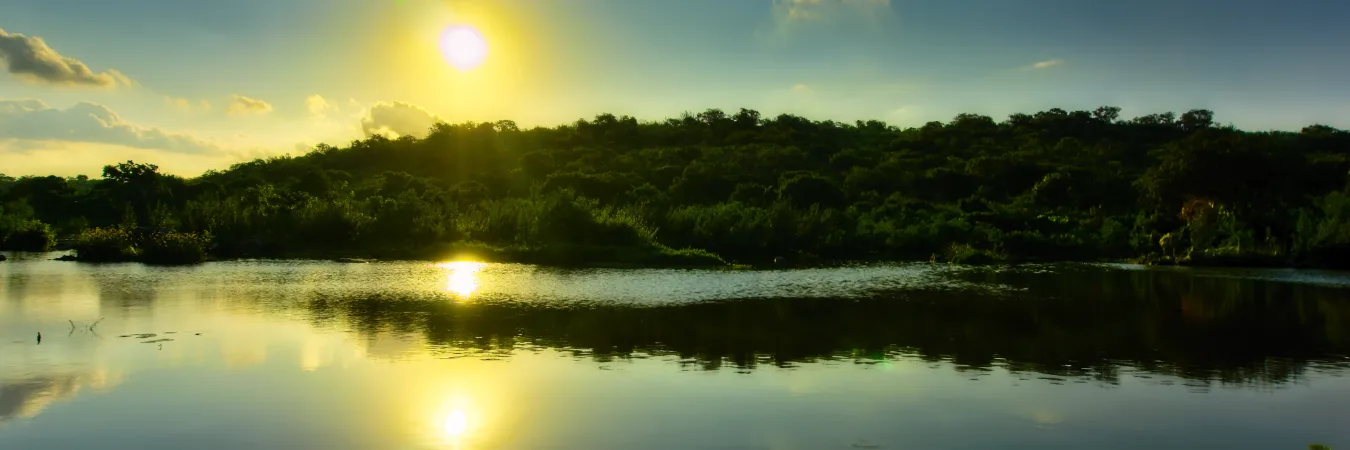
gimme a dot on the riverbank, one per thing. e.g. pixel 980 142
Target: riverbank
pixel 552 255
pixel 618 257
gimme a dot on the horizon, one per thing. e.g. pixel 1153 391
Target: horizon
pixel 260 79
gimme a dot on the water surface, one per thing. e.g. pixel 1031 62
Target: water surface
pixel 407 355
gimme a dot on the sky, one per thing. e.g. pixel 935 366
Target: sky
pixel 194 86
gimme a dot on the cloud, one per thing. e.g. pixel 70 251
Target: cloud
pixel 795 14
pixel 243 105
pixel 184 104
pixel 318 106
pixel 801 87
pixel 26 398
pixel 33 120
pixel 29 58
pixel 66 158
pixel 399 119
pixel 1045 64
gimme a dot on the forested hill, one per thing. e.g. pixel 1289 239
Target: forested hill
pixel 1051 185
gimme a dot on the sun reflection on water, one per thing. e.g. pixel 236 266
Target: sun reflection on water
pixel 456 423
pixel 463 277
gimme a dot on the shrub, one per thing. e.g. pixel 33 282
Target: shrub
pixel 965 254
pixel 688 257
pixel 174 248
pixel 105 245
pixel 29 236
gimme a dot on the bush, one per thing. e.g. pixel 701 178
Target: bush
pixel 105 245
pixel 687 257
pixel 159 247
pixel 612 256
pixel 965 254
pixel 29 236
pixel 174 248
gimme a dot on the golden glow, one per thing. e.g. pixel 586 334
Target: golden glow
pixel 464 47
pixel 460 422
pixel 463 277
pixel 456 423
pixel 504 85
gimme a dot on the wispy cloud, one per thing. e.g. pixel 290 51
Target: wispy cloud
pixel 243 105
pixel 29 58
pixel 793 15
pixel 825 9
pixel 1045 64
pixel 183 104
pixel 33 120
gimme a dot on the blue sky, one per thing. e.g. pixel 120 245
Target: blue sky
pixel 258 65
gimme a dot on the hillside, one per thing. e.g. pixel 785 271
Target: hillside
pixel 1055 185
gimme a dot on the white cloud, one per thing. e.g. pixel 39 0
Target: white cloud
pixel 184 104
pixel 28 120
pixel 243 105
pixel 318 106
pixel 790 15
pixel 64 158
pixel 1045 64
pixel 29 58
pixel 398 119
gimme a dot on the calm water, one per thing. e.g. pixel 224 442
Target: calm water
pixel 291 355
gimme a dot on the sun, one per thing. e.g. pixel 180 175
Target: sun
pixel 464 47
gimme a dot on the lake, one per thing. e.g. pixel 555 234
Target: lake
pixel 415 355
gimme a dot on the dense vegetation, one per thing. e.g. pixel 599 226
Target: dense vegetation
pixel 1052 185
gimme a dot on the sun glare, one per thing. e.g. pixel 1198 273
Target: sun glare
pixel 462 279
pixel 456 423
pixel 464 47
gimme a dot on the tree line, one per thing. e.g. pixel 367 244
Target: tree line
pixel 714 187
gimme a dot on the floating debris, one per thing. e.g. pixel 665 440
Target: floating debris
pixel 157 340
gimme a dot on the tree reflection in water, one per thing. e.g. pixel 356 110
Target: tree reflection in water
pixel 1088 323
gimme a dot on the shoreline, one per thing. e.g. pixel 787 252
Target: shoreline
pixel 541 258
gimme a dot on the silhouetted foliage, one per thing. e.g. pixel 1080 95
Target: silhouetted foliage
pixel 1051 185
